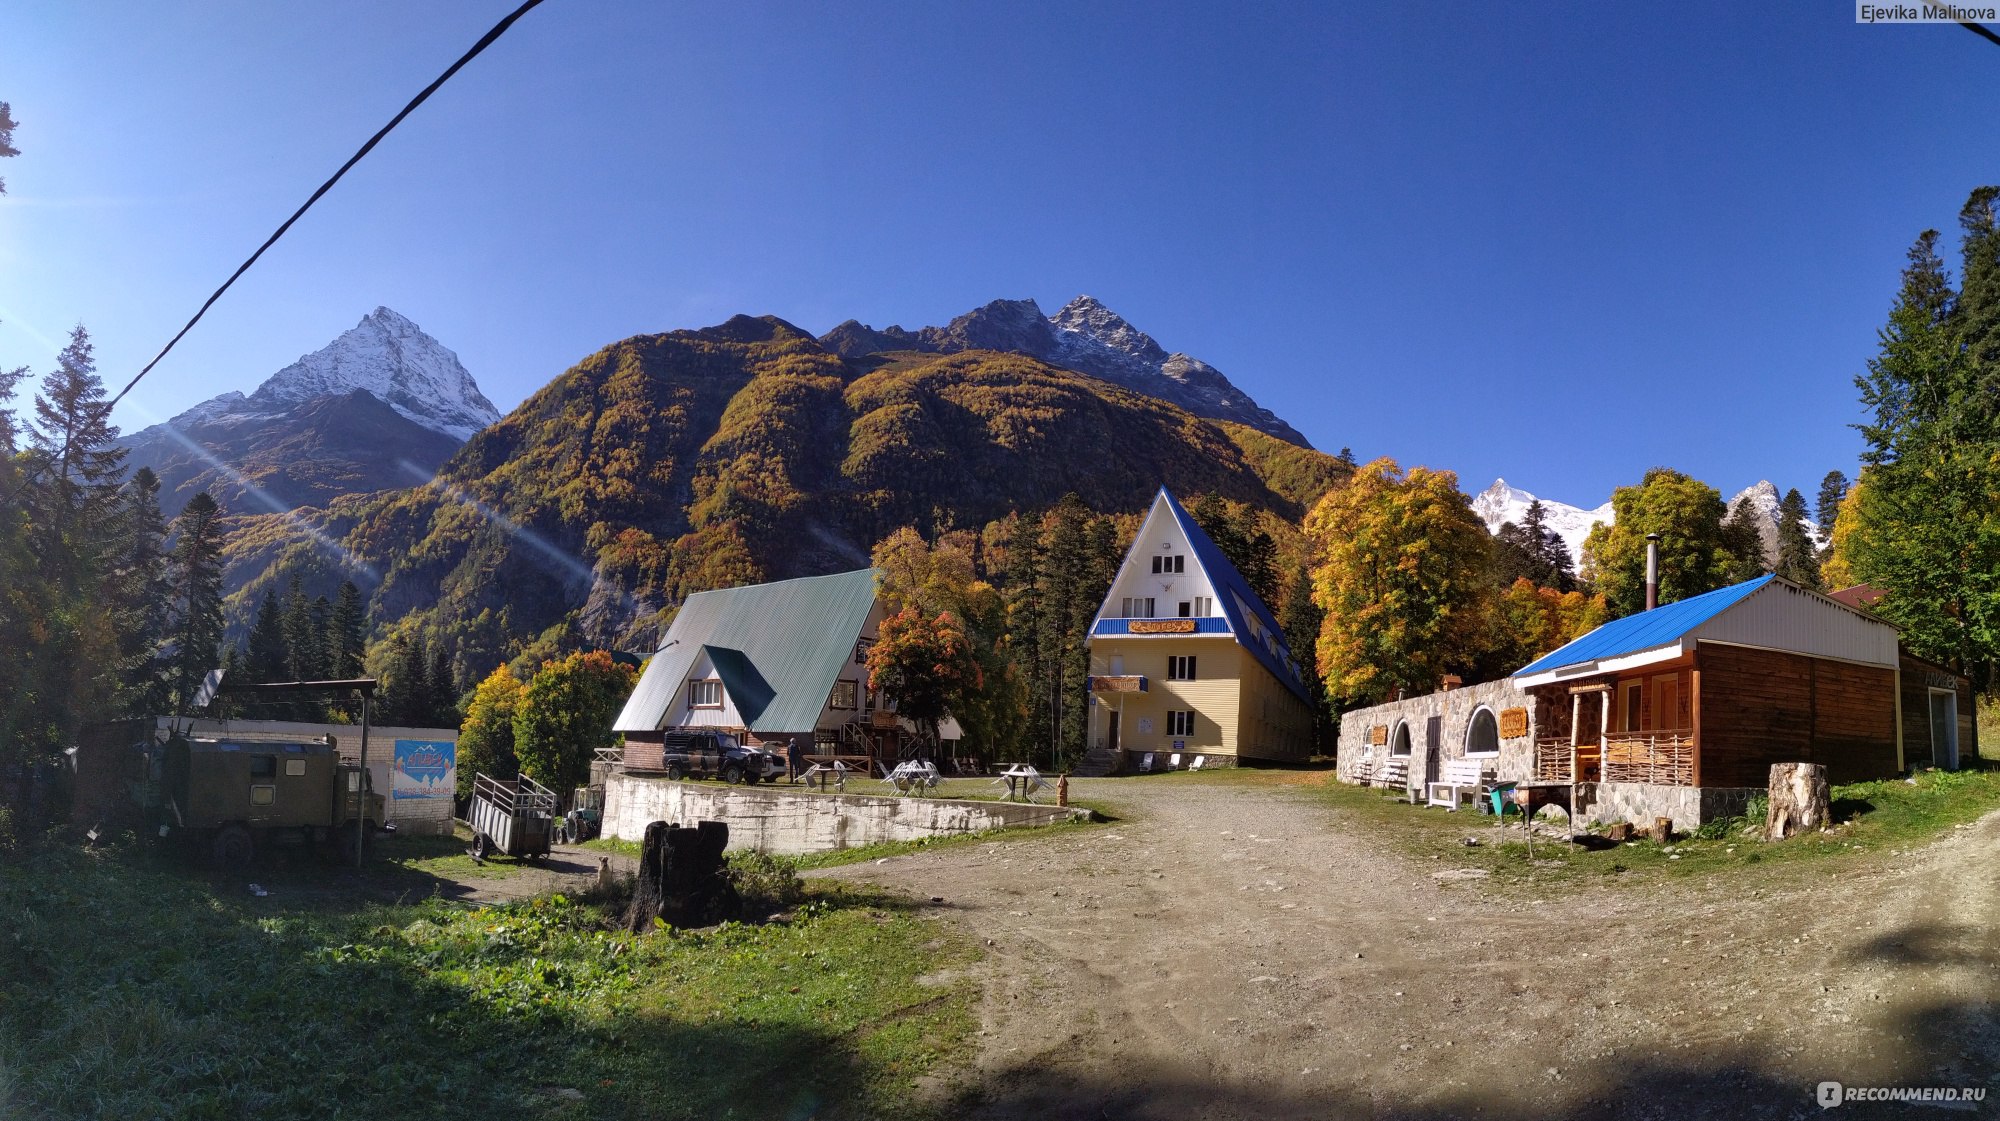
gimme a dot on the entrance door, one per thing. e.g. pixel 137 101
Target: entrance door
pixel 1111 739
pixel 1944 729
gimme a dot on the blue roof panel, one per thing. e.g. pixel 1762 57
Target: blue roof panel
pixel 1225 578
pixel 1645 630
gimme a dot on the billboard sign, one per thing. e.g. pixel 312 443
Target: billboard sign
pixel 424 769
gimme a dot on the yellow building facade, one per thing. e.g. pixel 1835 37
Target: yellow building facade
pixel 1187 662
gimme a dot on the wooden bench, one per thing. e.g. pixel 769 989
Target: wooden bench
pixel 1363 772
pixel 1460 777
pixel 1395 774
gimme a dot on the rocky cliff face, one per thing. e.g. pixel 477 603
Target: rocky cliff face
pixel 1084 336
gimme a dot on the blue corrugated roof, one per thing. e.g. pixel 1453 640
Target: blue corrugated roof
pixel 1212 624
pixel 1226 579
pixel 1647 629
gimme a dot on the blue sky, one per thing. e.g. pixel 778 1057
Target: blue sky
pixel 1560 244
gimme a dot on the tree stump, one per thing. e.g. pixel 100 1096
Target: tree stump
pixel 1800 800
pixel 683 879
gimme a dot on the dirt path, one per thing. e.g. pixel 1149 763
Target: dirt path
pixel 1236 951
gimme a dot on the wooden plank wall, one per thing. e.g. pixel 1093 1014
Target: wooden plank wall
pixel 1761 707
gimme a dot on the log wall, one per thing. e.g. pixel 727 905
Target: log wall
pixel 1761 707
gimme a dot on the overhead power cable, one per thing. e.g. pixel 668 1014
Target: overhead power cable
pixel 1981 30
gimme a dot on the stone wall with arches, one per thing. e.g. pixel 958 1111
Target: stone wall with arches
pixel 1471 721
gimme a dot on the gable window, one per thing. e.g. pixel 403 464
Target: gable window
pixel 861 651
pixel 1180 668
pixel 705 694
pixel 1187 609
pixel 1170 564
pixel 1180 723
pixel 1203 607
pixel 1137 607
pixel 868 699
pixel 843 695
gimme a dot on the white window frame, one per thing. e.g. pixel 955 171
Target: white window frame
pixel 1401 731
pixel 1491 715
pixel 1180 723
pixel 1181 667
pixel 852 691
pixel 700 686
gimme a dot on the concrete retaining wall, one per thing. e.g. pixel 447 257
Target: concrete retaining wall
pixel 777 820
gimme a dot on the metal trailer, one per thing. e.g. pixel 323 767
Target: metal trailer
pixel 517 818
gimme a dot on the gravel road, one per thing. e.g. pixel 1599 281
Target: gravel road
pixel 1243 950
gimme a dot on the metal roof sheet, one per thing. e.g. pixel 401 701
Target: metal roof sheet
pixel 1275 657
pixel 788 639
pixel 1645 630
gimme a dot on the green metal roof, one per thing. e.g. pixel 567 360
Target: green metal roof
pixel 778 649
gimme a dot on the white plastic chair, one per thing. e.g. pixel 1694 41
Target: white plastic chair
pixel 1173 760
pixel 1198 761
pixel 1146 763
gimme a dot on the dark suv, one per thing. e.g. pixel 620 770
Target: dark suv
pixel 715 755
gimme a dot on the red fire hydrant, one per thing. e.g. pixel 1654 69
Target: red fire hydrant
pixel 1062 790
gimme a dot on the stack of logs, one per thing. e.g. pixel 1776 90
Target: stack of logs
pixel 683 880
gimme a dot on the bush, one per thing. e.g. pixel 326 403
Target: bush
pixel 764 881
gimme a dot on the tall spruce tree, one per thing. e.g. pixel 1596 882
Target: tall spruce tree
pixel 141 600
pixel 347 635
pixel 441 704
pixel 1926 530
pixel 1798 561
pixel 267 659
pixel 195 582
pixel 1832 489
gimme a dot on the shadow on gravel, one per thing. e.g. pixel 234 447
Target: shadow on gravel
pixel 1955 1044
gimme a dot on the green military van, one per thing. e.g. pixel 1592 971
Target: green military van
pixel 239 796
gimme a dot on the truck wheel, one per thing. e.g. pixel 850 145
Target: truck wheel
pixel 232 847
pixel 676 772
pixel 481 847
pixel 733 774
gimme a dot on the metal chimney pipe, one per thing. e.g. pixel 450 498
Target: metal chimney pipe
pixel 1652 571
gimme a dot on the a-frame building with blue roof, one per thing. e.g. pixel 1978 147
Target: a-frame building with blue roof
pixel 1186 661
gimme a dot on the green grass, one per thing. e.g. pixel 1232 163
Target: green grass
pixel 132 986
pixel 445 857
pixel 1870 817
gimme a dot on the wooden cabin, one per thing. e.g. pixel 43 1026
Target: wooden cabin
pixel 1710 691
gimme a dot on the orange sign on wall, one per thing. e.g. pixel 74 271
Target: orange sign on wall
pixel 1379 734
pixel 1161 626
pixel 1513 723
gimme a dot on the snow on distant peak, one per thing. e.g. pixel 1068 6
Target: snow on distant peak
pixel 392 358
pixel 1500 503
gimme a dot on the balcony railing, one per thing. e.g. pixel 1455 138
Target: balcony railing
pixel 1552 760
pixel 1664 758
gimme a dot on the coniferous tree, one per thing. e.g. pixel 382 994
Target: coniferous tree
pixel 141 600
pixel 1797 559
pixel 406 692
pixel 305 637
pixel 195 583
pixel 1742 552
pixel 71 496
pixel 441 705
pixel 7 127
pixel 268 659
pixel 1832 489
pixel 347 635
pixel 1925 529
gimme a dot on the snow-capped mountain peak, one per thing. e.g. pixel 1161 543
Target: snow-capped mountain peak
pixel 1089 319
pixel 392 358
pixel 1500 504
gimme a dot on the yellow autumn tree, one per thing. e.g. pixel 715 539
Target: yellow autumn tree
pixel 1401 567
